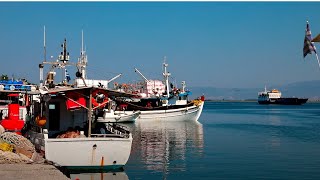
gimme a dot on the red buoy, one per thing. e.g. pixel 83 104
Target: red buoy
pixel 12 121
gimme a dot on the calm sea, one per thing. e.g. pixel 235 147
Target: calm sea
pixel 242 140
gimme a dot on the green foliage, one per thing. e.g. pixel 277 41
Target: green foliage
pixel 4 77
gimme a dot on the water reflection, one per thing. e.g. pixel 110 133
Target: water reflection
pixel 275 122
pixel 163 146
pixel 160 147
pixel 100 176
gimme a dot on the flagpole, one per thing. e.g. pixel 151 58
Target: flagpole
pixel 318 59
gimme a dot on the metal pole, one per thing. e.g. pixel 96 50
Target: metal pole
pixel 44 43
pixel 90 113
pixel 318 59
pixel 41 74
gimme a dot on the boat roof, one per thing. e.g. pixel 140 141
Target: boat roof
pixel 87 89
pixel 19 92
pixel 61 89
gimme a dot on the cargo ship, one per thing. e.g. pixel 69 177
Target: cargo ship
pixel 274 97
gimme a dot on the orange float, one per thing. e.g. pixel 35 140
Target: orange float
pixel 41 120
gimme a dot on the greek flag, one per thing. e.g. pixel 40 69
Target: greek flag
pixel 66 74
pixel 308 45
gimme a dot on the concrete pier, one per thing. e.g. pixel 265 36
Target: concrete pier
pixel 30 172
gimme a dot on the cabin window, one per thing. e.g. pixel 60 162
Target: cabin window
pixel 54 117
pixel 182 97
pixel 52 106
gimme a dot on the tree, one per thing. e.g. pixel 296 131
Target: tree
pixel 4 77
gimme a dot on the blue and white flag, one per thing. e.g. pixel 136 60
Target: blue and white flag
pixel 308 45
pixel 66 74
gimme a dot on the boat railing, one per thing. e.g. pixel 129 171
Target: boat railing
pixel 111 135
pixel 117 130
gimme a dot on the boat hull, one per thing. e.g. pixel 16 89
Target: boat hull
pixel 94 153
pixel 189 113
pixel 120 117
pixel 285 101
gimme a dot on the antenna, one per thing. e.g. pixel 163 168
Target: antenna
pixel 166 75
pixel 44 43
pixel 82 41
pixel 83 58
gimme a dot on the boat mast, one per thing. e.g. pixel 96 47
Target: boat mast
pixel 166 75
pixel 44 43
pixel 183 83
pixel 64 56
pixel 83 61
pixel 90 113
pixel 45 55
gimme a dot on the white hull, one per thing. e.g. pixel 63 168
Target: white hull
pixel 191 113
pixel 120 117
pixel 85 153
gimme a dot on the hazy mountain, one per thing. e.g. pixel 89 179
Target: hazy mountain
pixel 309 89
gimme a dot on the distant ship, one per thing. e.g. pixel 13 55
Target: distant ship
pixel 274 97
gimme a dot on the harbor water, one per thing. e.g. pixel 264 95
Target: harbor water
pixel 240 140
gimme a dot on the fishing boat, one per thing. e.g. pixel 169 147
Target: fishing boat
pixel 64 126
pixel 66 134
pixel 153 100
pixel 274 97
pixel 157 101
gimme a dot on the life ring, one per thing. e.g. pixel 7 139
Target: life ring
pixel 95 94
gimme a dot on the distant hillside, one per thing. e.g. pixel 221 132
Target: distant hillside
pixel 309 89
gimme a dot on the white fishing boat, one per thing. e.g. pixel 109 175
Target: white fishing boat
pixel 63 127
pixel 158 102
pixel 188 113
pixel 86 146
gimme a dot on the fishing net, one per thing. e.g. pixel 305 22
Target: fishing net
pixel 2 130
pixel 17 140
pixel 7 157
pixel 6 146
pixel 21 146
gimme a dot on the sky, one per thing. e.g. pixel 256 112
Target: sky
pixel 216 44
